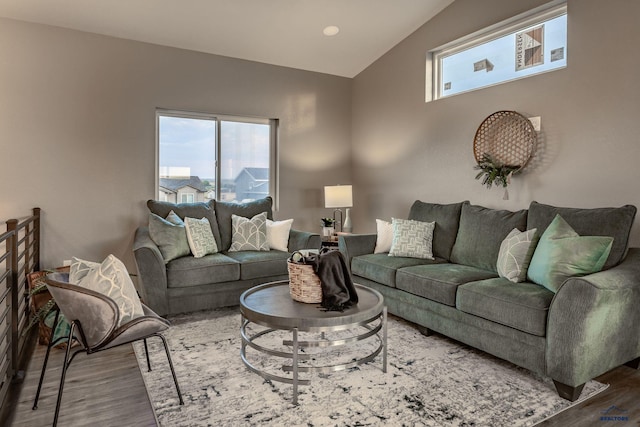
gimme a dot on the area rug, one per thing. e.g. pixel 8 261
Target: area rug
pixel 430 381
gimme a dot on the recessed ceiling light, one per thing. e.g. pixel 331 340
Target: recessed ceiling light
pixel 331 30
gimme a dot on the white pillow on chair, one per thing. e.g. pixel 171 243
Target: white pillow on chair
pixel 109 278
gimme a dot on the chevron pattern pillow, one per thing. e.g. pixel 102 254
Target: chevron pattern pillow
pixel 413 239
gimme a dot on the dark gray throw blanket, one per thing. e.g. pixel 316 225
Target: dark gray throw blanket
pixel 338 291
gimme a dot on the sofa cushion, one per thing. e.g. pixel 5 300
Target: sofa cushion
pixel 612 222
pixel 382 268
pixel 562 253
pixel 446 217
pixel 523 306
pixel 189 271
pixel 515 254
pixel 481 232
pixel 256 264
pixel 224 210
pixel 192 210
pixel 412 239
pixel 438 282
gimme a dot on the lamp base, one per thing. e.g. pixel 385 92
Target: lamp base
pixel 346 226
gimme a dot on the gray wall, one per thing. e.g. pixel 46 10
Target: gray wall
pixel 77 130
pixel 405 149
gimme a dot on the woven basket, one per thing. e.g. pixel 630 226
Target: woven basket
pixel 508 137
pixel 304 283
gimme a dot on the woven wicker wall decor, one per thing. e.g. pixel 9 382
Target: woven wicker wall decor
pixel 507 137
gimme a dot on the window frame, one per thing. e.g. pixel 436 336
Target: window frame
pixel 219 118
pixel 512 25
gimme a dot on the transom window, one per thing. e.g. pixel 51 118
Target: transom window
pixel 528 44
pixel 206 156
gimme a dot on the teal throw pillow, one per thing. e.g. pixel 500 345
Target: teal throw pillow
pixel 200 237
pixel 563 253
pixel 169 235
pixel 412 239
pixel 249 234
pixel 515 254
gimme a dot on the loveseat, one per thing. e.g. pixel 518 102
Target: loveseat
pixel 171 282
pixel 573 331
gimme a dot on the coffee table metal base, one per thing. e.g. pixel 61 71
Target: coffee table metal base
pixel 374 327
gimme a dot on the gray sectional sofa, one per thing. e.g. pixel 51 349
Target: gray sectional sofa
pixel 588 326
pixel 187 283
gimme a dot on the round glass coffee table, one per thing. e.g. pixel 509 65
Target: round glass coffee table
pixel 271 306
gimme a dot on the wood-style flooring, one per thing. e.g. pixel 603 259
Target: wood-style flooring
pixel 102 389
pixel 106 389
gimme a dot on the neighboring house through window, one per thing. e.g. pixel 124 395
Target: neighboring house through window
pixel 531 43
pixel 206 156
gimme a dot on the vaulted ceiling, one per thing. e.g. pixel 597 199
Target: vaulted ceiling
pixel 280 32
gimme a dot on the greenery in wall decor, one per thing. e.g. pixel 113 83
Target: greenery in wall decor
pixel 494 173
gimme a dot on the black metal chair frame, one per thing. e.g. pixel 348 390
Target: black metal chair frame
pixel 72 336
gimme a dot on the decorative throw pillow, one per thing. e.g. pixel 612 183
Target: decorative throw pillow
pixel 562 253
pixel 80 268
pixel 170 235
pixel 249 234
pixel 110 278
pixel 384 236
pixel 200 237
pixel 278 234
pixel 515 254
pixel 412 238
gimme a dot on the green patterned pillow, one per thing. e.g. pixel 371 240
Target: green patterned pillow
pixel 200 237
pixel 515 254
pixel 412 239
pixel 249 234
pixel 111 279
pixel 170 235
pixel 563 253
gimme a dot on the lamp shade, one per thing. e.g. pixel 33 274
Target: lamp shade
pixel 338 196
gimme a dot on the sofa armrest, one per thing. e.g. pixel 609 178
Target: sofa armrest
pixel 303 240
pixel 352 245
pixel 152 271
pixel 594 323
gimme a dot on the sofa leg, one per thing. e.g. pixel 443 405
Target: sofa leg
pixel 568 392
pixel 634 364
pixel 425 331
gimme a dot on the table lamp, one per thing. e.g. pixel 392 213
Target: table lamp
pixel 339 196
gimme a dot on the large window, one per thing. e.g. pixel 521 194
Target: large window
pixel 531 43
pixel 204 156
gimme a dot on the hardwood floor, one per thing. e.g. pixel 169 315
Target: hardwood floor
pixel 621 399
pixel 106 389
pixel 103 389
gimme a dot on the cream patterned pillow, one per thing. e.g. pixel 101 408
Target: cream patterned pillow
pixel 412 239
pixel 110 278
pixel 278 234
pixel 515 254
pixel 200 237
pixel 249 234
pixel 384 237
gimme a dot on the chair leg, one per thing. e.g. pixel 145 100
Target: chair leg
pixel 173 372
pixel 146 351
pixel 46 359
pixel 64 373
